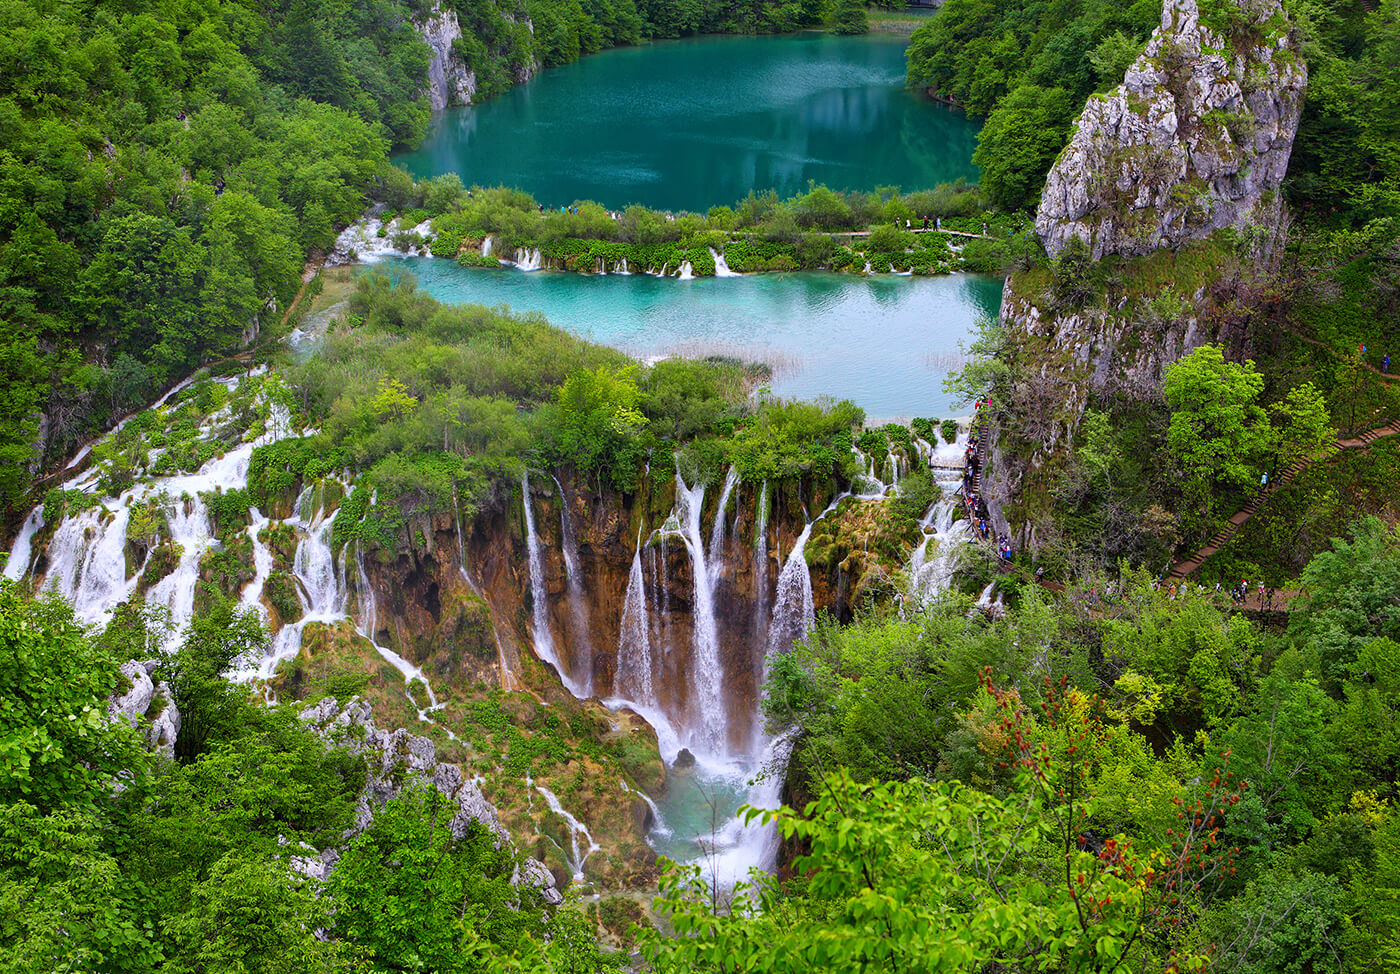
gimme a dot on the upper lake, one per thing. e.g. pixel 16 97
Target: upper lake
pixel 686 125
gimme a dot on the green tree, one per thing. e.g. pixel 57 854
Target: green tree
pixel 212 644
pixel 1021 139
pixel 851 17
pixel 57 746
pixel 1305 426
pixel 1218 436
pixel 414 896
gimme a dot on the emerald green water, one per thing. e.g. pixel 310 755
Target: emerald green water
pixel 884 342
pixel 695 123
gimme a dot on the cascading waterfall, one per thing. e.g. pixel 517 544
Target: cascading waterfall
pixel 528 260
pixel 581 632
pixel 22 553
pixel 189 528
pixel 87 561
pixel 486 246
pixel 623 268
pixel 930 576
pixel 711 726
pixel 461 543
pixel 687 272
pixel 716 552
pixel 793 611
pixel 577 830
pixel 634 677
pixel 539 597
pixel 760 559
pixel 721 268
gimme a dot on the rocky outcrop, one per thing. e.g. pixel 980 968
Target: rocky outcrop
pixel 1197 138
pixel 147 706
pixel 450 81
pixel 393 758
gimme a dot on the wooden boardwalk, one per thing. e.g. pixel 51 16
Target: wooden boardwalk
pixel 1188 566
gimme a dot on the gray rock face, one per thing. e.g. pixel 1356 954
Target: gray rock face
pixel 1197 137
pixel 450 81
pixel 392 758
pixel 163 726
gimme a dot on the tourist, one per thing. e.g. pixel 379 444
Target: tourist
pixel 1264 480
pixel 1385 363
pixel 925 223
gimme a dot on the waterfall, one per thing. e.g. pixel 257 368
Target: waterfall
pixel 760 560
pixel 369 625
pixel 581 632
pixel 634 678
pixel 87 562
pixel 600 267
pixel 576 829
pixel 721 268
pixel 930 576
pixel 539 597
pixel 867 268
pixel 793 611
pixel 17 565
pixel 189 528
pixel 622 269
pixel 658 826
pixel 461 543
pixel 711 730
pixel 486 246
pixel 716 552
pixel 528 260
pixel 251 596
pixel 687 273
pixel 737 847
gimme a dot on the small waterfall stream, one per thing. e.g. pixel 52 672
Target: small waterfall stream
pixel 543 639
pixel 634 677
pixel 581 637
pixel 722 268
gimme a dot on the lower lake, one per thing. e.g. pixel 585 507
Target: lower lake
pixel 883 341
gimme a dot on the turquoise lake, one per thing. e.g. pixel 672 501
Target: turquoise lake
pixel 691 124
pixel 884 342
pixel 694 123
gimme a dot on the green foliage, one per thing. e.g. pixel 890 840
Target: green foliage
pixel 57 746
pixel 212 644
pixel 412 894
pixel 785 439
pixel 1350 598
pixel 167 171
pixel 851 17
pixel 1218 436
pixel 1021 139
pixel 976 52
pixel 596 424
pixel 909 876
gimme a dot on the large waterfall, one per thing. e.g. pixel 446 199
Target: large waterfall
pixel 709 705
pixel 539 597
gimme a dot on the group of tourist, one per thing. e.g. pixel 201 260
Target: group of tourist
pixel 972 500
pixel 1239 594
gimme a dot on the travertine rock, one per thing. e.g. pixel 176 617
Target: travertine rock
pixel 450 81
pixel 162 727
pixel 391 757
pixel 1197 137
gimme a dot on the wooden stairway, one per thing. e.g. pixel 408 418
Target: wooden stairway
pixel 1188 565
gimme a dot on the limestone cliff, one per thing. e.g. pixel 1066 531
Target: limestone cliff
pixel 450 81
pixel 390 756
pixel 1194 142
pixel 1197 137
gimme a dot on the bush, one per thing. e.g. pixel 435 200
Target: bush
pixel 949 429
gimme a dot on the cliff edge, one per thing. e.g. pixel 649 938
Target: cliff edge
pixel 1195 139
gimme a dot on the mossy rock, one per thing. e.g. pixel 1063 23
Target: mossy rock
pixel 162 561
pixel 280 593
